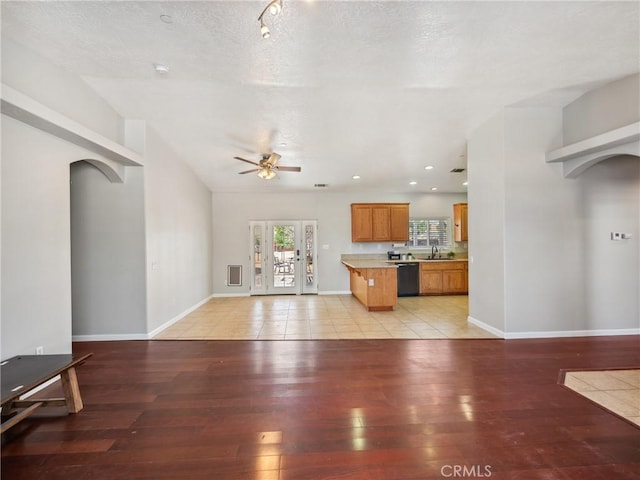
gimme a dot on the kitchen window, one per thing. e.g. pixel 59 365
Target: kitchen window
pixel 429 232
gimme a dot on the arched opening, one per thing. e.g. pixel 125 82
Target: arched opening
pixel 108 293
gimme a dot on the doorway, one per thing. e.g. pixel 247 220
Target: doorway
pixel 283 257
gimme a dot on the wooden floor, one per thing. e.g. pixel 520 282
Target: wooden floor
pixel 333 409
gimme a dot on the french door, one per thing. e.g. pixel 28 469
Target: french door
pixel 283 257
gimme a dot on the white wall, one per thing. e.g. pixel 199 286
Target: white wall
pixel 610 197
pixel 233 211
pixel 562 275
pixel 36 304
pixel 107 252
pixel 544 269
pixel 178 234
pixel 612 106
pixel 54 87
pixel 36 261
pixel 486 223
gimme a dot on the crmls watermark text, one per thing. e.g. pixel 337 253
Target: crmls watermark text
pixel 466 471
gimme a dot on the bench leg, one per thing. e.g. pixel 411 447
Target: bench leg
pixel 71 390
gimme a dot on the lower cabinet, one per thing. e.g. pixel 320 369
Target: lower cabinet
pixel 443 278
pixel 375 288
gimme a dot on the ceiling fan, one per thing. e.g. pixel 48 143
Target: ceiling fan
pixel 267 167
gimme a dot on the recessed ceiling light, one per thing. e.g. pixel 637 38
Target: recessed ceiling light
pixel 433 189
pixel 428 167
pixel 283 144
pixel 413 182
pixel 356 177
pixel 166 18
pixel 465 183
pixel 160 68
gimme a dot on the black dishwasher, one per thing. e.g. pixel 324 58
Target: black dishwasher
pixel 408 279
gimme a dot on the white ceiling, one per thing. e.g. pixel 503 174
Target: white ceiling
pixel 379 89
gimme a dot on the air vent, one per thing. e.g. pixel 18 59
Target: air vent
pixel 321 185
pixel 457 170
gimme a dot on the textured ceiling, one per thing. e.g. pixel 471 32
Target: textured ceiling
pixel 378 89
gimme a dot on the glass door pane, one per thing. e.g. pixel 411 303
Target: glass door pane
pixel 310 284
pixel 285 256
pixel 257 264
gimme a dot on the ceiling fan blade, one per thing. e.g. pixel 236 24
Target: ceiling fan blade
pixel 248 161
pixel 250 171
pixel 288 169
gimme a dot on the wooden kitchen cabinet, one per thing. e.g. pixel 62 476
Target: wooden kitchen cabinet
pixel 460 222
pixel 443 278
pixel 379 222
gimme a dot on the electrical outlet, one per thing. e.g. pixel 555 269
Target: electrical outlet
pixel 371 282
pixel 40 350
pixel 616 236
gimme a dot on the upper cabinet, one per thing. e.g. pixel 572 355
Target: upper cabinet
pixel 379 222
pixel 460 222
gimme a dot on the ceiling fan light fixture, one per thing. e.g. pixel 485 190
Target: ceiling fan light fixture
pixel 274 7
pixel 266 174
pixel 264 31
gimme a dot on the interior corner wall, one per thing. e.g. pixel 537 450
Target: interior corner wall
pixel 179 235
pixel 107 252
pixel 486 223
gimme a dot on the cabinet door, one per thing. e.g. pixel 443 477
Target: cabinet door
pixel 430 282
pixel 399 216
pixel 361 223
pixel 460 222
pixel 381 223
pixel 454 281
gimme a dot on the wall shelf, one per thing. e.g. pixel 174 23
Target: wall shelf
pixel 579 156
pixel 23 108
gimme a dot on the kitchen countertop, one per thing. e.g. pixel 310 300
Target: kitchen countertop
pixel 360 264
pixel 424 260
pixel 373 263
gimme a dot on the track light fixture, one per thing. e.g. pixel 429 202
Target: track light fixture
pixel 274 7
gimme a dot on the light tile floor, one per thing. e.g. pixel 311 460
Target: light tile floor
pixel 616 390
pixel 314 317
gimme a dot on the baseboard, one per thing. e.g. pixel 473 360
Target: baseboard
pixel 573 333
pixel 110 337
pixel 486 327
pixel 178 317
pixel 553 333
pixel 230 295
pixel 139 336
pixel 335 292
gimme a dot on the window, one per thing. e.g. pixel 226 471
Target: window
pixel 429 232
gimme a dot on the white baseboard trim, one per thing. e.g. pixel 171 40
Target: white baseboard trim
pixel 177 318
pixel 110 337
pixel 486 327
pixel 230 295
pixel 553 333
pixel 573 333
pixel 139 336
pixel 335 292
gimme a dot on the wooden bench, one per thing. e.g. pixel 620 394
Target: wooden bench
pixel 23 373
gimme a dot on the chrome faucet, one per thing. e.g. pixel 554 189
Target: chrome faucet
pixel 434 250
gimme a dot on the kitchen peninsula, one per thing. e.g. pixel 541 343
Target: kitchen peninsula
pixel 374 281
